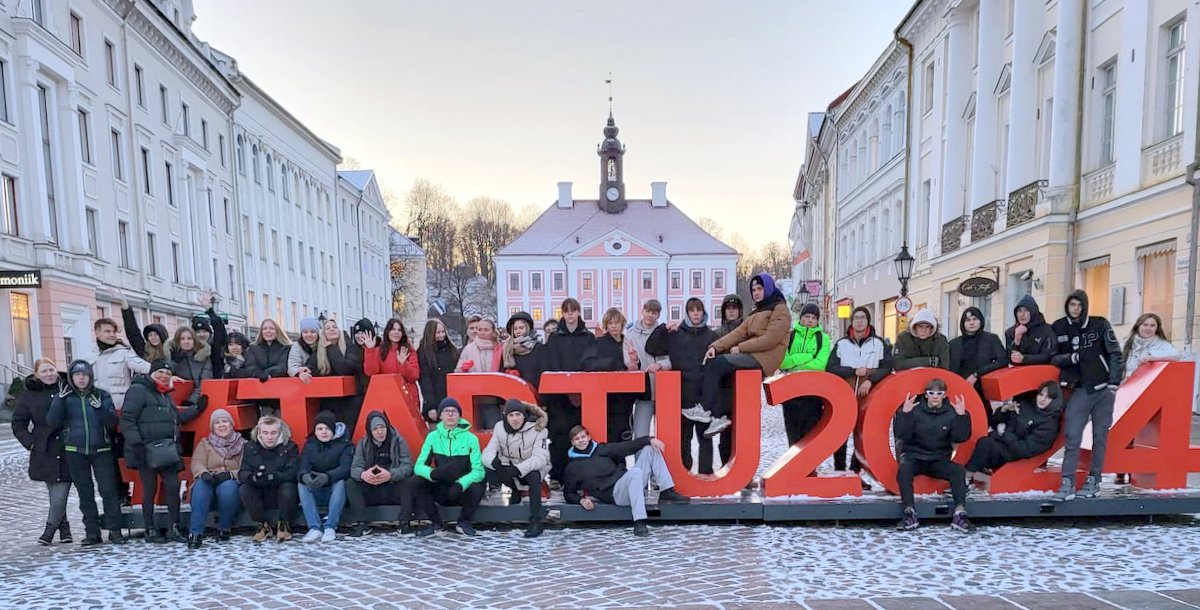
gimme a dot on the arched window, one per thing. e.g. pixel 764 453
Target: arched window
pixel 270 174
pixel 872 243
pixel 254 158
pixel 862 249
pixel 885 141
pixel 886 238
pixel 283 182
pixel 873 147
pixel 241 156
pixel 850 255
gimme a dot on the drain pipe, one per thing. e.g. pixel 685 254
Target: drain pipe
pixel 1077 187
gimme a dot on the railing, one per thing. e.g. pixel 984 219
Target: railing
pixel 1162 160
pixel 1098 185
pixel 983 220
pixel 952 233
pixel 1023 202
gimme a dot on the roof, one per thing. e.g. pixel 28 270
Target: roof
pixel 402 245
pixel 554 232
pixel 814 124
pixel 360 178
pixel 837 101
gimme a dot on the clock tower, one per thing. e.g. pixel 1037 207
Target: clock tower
pixel 612 171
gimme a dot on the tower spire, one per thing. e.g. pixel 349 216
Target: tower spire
pixel 610 93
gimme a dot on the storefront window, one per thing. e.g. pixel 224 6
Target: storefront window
pixel 21 329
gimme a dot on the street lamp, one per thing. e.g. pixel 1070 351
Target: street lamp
pixel 804 296
pixel 904 264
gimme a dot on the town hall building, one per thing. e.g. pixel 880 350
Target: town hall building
pixel 612 251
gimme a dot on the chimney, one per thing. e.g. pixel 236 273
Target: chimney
pixel 658 194
pixel 564 196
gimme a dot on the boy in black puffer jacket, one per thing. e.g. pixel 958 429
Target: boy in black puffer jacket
pixel 268 476
pixel 686 345
pixel 1021 432
pixel 926 432
pixel 323 470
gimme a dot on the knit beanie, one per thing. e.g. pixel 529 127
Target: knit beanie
pixel 309 324
pixel 449 403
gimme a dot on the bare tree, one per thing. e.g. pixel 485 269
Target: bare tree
pixel 773 258
pixel 526 215
pixel 431 215
pixel 710 226
pixel 405 274
pixel 464 293
pixel 350 163
pixel 487 227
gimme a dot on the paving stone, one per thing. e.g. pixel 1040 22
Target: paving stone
pixel 1057 601
pixel 908 603
pixel 1188 596
pixel 838 604
pixel 977 602
pixel 1141 600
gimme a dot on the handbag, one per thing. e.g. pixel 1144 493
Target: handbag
pixel 162 453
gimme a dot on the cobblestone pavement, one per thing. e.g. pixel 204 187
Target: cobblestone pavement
pixel 1061 564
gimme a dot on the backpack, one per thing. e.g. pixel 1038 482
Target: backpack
pixel 792 339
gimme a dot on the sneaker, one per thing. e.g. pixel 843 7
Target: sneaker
pixel 222 535
pixel 47 537
pixel 717 426
pixel 555 485
pixel 116 537
pixel 697 413
pixel 64 531
pixel 961 523
pixel 534 529
pixel 1091 488
pixel 91 541
pixel 283 531
pixel 329 536
pixel 313 535
pixel 670 496
pixel 406 529
pixel 640 529
pixel 910 521
pixel 264 532
pixel 465 528
pixel 195 541
pixel 430 530
pixel 1066 491
pixel 360 529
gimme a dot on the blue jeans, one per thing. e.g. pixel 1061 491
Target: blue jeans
pixel 334 496
pixel 228 504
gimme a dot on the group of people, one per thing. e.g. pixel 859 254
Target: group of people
pixel 69 419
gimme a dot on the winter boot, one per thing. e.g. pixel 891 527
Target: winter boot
pixel 534 529
pixel 47 537
pixel 640 529
pixel 670 496
pixel 910 521
pixel 64 531
pixel 264 532
pixel 283 531
pixel 116 537
pixel 960 522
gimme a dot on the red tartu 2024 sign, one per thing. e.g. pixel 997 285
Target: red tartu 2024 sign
pixel 1149 439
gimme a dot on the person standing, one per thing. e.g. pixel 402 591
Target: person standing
pixel 1147 343
pixel 268 355
pixel 215 464
pixel 393 354
pixel 649 338
pixel 863 359
pixel 922 345
pixel 234 366
pixel 1089 358
pixel 731 314
pixel 686 345
pixel 483 354
pixel 615 352
pixel 1030 340
pixel 437 356
pixel 191 360
pixel 975 353
pixel 302 357
pixel 44 444
pixel 335 357
pixel 808 350
pixel 570 342
pixel 522 352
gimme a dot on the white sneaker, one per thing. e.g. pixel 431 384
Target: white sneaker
pixel 698 414
pixel 313 535
pixel 717 426
pixel 329 536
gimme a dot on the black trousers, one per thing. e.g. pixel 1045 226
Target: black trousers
pixel 360 495
pixel 620 412
pixel 258 499
pixel 83 468
pixel 170 486
pixel 989 454
pixel 800 416
pixel 429 495
pixel 939 469
pixel 719 370
pixel 532 479
pixel 563 416
pixel 691 429
pixel 839 459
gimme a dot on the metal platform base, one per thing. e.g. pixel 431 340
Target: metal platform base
pixel 752 507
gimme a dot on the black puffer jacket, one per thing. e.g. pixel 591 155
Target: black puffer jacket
pixel 86 419
pixel 332 458
pixel 530 366
pixel 149 415
pixel 727 326
pixel 1039 344
pixel 192 365
pixel 348 364
pixel 595 471
pixel 686 347
pixel 34 432
pixel 977 354
pixel 1088 352
pixel 930 434
pixel 1030 431
pixel 567 348
pixel 268 359
pixel 277 465
pixel 434 371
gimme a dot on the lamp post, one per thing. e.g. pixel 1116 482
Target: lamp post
pixel 904 264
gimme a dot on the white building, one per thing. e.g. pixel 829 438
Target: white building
pixel 115 170
pixel 286 174
pixel 363 230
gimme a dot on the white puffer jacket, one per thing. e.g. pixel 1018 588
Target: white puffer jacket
pixel 527 448
pixel 1148 350
pixel 114 369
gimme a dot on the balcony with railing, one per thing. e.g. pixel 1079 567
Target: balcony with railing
pixel 1162 161
pixel 1098 185
pixel 983 220
pixel 952 233
pixel 1023 202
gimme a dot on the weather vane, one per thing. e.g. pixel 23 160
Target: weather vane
pixel 609 83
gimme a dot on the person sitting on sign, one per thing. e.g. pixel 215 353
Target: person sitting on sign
pixel 922 345
pixel 518 452
pixel 1022 430
pixel 758 343
pixel 686 344
pixel 268 477
pixel 449 471
pixel 596 472
pixel 1030 340
pixel 380 474
pixel 926 432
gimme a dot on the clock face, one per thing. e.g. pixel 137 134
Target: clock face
pixel 612 193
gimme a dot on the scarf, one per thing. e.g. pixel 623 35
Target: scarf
pixel 514 347
pixel 485 347
pixel 226 446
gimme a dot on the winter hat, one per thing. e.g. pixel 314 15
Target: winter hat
pixel 810 308
pixel 512 405
pixel 218 415
pixel 376 422
pixel 363 326
pixel 157 329
pixel 160 364
pixel 520 315
pixel 238 338
pixel 925 316
pixel 202 323
pixel 309 324
pixel 449 403
pixel 766 281
pixel 327 418
pixel 731 300
pixel 81 366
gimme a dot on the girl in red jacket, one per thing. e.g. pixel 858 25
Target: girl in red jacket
pixel 391 354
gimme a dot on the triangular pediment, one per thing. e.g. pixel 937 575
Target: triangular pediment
pixel 1046 50
pixel 1004 83
pixel 615 244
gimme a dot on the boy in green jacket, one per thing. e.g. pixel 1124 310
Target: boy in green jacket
pixel 808 350
pixel 449 471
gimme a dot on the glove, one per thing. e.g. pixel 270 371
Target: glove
pixel 933 361
pixel 440 474
pixel 263 377
pixel 468 365
pixel 258 477
pixel 319 480
pixel 306 479
pixel 508 473
pixel 270 477
pixel 221 477
pixel 202 404
pixel 207 477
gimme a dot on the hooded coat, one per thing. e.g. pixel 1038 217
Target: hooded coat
pixel 527 366
pixel 193 365
pixel 34 432
pixel 1039 344
pixel 454 450
pixel 113 370
pixel 392 453
pixel 977 354
pixel 764 333
pixel 525 448
pixel 595 471
pixel 86 419
pixel 727 326
pixel 1088 353
pixel 912 352
pixel 332 457
pixel 278 464
pixel 930 434
pixel 1030 431
pixel 150 415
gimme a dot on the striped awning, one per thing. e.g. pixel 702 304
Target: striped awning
pixel 1159 249
pixel 1093 263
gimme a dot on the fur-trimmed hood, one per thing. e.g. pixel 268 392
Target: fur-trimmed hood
pixel 202 353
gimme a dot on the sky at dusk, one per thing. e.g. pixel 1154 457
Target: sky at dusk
pixel 504 99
